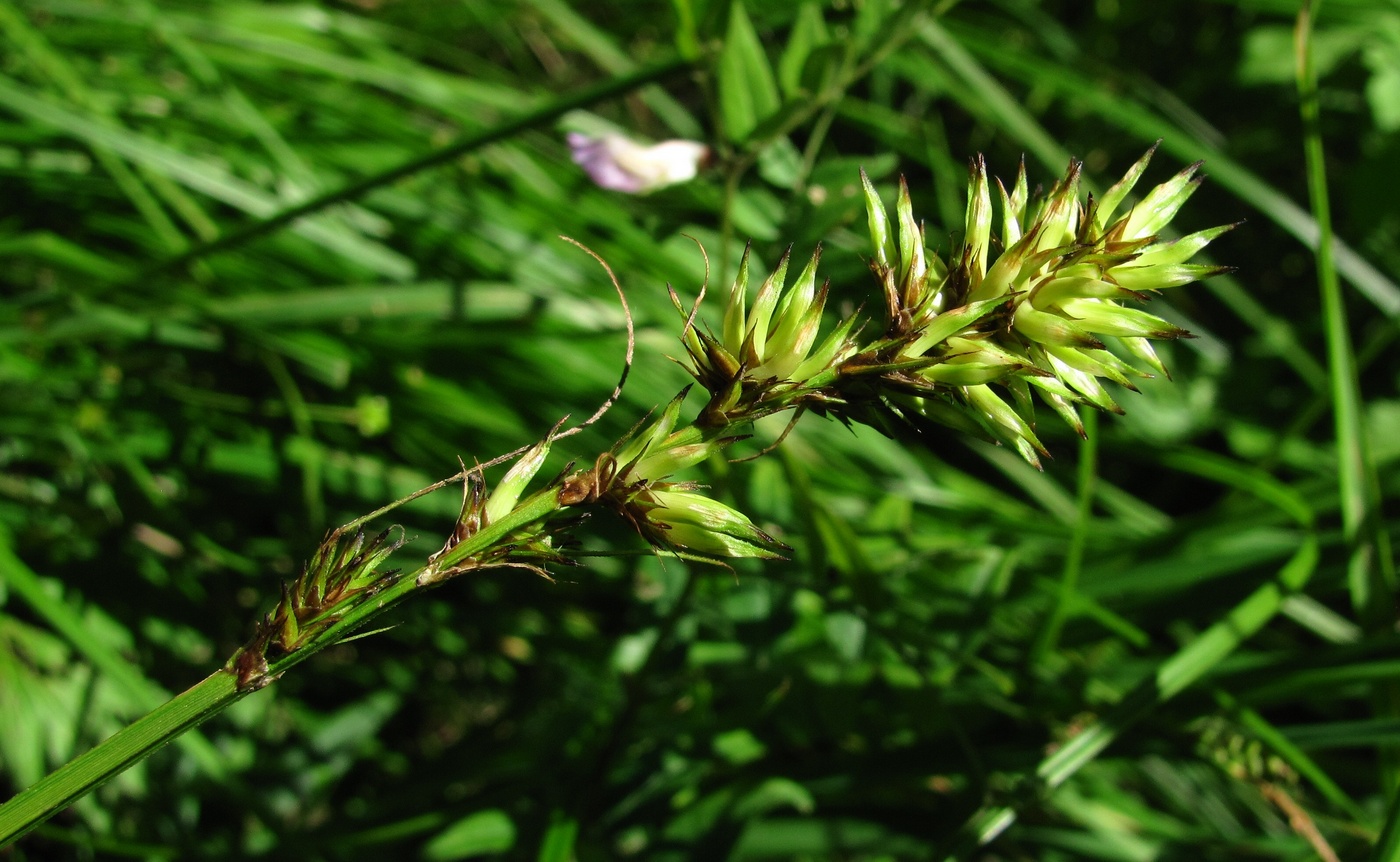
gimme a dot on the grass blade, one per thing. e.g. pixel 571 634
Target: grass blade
pixel 1173 676
pixel 608 89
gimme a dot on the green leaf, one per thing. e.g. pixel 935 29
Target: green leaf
pixel 748 604
pixel 775 793
pixel 747 92
pixel 846 632
pixel 1267 56
pixel 703 653
pixel 484 832
pixel 739 747
pixel 1383 93
pixel 687 37
pixel 808 32
pixel 780 163
pixel 558 844
pixel 871 16
pixel 203 176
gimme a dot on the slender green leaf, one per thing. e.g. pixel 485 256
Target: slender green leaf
pixel 808 33
pixel 748 94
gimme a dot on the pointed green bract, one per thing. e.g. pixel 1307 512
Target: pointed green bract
pixel 513 484
pixel 911 245
pixel 736 312
pixel 944 325
pixel 1181 250
pixel 634 448
pixel 879 223
pixel 1153 213
pixel 748 93
pixel 756 338
pixel 696 523
pixel 1109 203
pixel 978 228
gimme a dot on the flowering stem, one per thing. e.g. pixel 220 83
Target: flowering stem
pixel 1032 318
pixel 220 690
pixel 129 745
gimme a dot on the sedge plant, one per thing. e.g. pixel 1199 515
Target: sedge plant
pixel 1037 301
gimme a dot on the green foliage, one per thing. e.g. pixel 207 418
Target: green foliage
pixel 1155 656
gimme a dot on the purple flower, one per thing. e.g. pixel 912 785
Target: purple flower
pixel 623 165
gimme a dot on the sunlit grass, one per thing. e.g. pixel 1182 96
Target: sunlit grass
pixel 269 266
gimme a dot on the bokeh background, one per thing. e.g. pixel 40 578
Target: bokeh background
pixel 188 401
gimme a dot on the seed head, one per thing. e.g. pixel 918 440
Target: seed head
pixel 767 357
pixel 677 517
pixel 1046 313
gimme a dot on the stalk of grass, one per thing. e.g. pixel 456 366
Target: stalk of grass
pixel 133 743
pixel 223 688
pixel 1370 567
pixel 1049 636
pixel 785 368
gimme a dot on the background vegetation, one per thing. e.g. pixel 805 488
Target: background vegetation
pixel 188 401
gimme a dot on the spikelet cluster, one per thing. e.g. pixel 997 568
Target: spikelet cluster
pixel 968 339
pixel 1040 304
pixel 529 546
pixel 344 572
pixel 634 480
pixel 767 358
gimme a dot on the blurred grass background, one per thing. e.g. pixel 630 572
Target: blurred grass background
pixel 187 401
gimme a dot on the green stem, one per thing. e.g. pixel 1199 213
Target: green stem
pixel 220 690
pixel 128 746
pixel 1074 557
pixel 1370 574
pixel 1370 567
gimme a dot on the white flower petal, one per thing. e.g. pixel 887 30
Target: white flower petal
pixel 620 164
